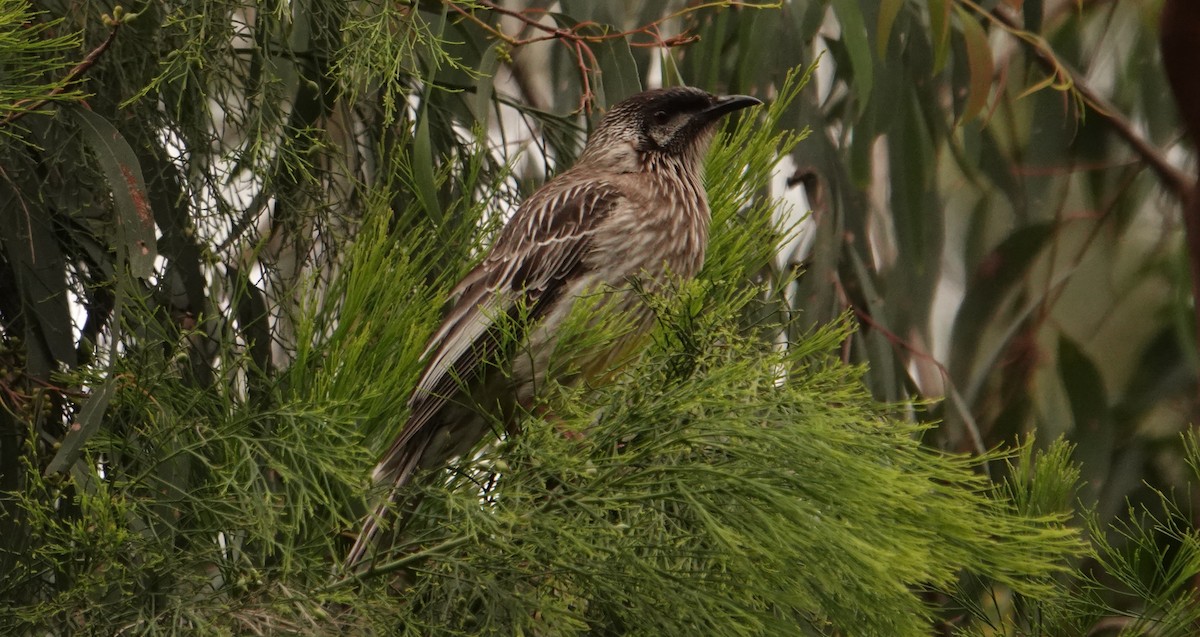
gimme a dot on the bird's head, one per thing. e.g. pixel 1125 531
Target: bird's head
pixel 678 122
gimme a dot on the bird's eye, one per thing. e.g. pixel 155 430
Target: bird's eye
pixel 661 117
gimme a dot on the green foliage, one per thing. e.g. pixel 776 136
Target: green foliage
pixel 719 486
pixel 1137 577
pixel 190 505
pixel 36 56
pixel 711 496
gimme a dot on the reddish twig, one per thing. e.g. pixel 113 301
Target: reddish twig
pixel 579 37
pixel 1180 28
pixel 896 341
pixel 15 398
pixel 73 76
pixel 1063 77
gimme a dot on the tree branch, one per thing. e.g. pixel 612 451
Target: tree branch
pixel 73 76
pixel 1065 77
pixel 579 37
pixel 899 343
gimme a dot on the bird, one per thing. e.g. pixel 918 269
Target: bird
pixel 632 208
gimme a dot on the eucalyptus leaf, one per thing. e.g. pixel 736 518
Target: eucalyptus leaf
pixel 134 220
pixel 618 70
pixel 84 427
pixel 979 59
pixel 854 37
pixel 38 271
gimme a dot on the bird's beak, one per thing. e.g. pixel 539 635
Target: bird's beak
pixel 727 104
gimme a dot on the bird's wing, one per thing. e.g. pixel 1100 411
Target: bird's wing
pixel 529 265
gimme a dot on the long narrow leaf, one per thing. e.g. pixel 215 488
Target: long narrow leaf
pixel 134 218
pixel 86 424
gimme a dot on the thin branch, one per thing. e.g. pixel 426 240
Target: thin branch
pixel 375 570
pixel 1063 77
pixel 1179 21
pixel 73 76
pixel 952 392
pixel 579 37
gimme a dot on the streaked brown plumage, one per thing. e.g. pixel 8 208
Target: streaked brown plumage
pixel 633 206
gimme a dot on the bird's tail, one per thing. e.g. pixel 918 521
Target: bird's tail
pixel 396 469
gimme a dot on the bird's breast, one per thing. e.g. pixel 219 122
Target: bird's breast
pixel 660 230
